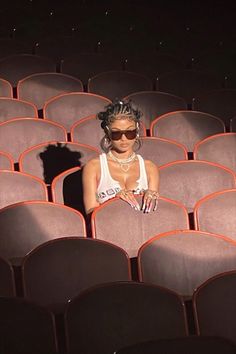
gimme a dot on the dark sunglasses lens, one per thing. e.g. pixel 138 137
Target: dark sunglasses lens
pixel 116 135
pixel 130 134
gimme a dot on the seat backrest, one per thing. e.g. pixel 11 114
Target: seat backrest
pixel 219 148
pixel 161 151
pixel 15 67
pixel 181 260
pixel 186 127
pixel 118 84
pixel 33 223
pixel 152 65
pixel 115 221
pixel 214 306
pixel 68 108
pixel 13 108
pixel 221 103
pixel 6 89
pixel 189 181
pixel 187 83
pixel 60 269
pixel 153 104
pixel 88 131
pixel 67 189
pixel 86 65
pixel 47 160
pixel 26 327
pixel 18 187
pixel 111 316
pixel 17 135
pixel 216 213
pixel 6 161
pixel 38 88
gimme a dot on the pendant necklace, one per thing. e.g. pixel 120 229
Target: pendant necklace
pixel 123 163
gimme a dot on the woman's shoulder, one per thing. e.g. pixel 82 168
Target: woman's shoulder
pixel 150 165
pixel 94 162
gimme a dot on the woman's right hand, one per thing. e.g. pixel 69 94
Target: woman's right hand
pixel 128 196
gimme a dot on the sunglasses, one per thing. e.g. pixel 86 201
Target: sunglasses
pixel 117 134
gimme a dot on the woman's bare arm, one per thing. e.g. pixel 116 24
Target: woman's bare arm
pixel 89 179
pixel 150 199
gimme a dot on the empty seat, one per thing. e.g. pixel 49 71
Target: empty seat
pixel 138 227
pixel 7 281
pixel 186 127
pixel 217 213
pixel 161 151
pixel 192 344
pixel 13 108
pixel 106 318
pixel 187 83
pixel 67 109
pixel 189 181
pixel 153 104
pixel 67 189
pixel 152 65
pixel 221 103
pixel 59 270
pixel 38 88
pixel 15 67
pixel 6 161
pixel 181 260
pixel 17 187
pixel 17 135
pixel 86 65
pixel 118 84
pixel 214 306
pixel 88 131
pixel 26 225
pixel 47 160
pixel 219 148
pixel 26 327
pixel 5 89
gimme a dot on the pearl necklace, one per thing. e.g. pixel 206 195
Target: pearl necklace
pixel 124 163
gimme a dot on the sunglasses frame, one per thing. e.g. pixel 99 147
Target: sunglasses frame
pixel 125 132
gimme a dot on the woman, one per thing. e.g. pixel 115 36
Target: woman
pixel 119 171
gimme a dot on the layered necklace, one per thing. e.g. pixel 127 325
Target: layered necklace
pixel 123 163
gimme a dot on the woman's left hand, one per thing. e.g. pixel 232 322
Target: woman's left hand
pixel 150 201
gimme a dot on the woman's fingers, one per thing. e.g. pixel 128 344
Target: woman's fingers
pixel 150 201
pixel 128 197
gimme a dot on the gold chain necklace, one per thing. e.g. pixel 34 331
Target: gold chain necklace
pixel 123 163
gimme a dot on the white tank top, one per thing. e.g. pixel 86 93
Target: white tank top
pixel 108 187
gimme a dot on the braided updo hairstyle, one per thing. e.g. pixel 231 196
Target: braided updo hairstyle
pixel 118 110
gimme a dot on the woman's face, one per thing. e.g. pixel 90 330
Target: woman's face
pixel 123 134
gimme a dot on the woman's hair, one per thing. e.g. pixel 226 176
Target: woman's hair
pixel 117 110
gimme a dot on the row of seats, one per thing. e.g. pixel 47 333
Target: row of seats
pixel 36 98
pixel 36 221
pixel 195 179
pixel 41 148
pixel 110 82
pixel 108 317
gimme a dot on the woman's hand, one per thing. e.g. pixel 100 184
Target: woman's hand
pixel 150 201
pixel 128 196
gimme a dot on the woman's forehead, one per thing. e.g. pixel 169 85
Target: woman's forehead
pixel 123 123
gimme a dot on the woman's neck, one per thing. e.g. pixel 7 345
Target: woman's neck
pixel 121 154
